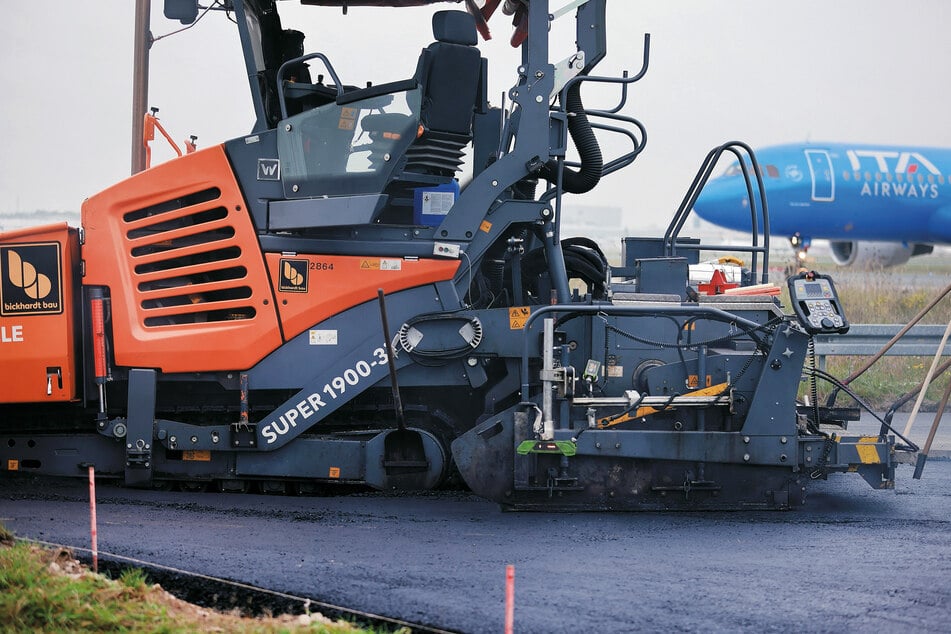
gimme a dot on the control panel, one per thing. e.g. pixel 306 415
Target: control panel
pixel 816 303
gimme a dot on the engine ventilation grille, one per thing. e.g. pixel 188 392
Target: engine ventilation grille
pixel 186 261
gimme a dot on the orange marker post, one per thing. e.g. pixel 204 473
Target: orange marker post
pixel 509 598
pixel 92 519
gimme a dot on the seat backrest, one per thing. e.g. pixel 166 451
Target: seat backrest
pixel 449 72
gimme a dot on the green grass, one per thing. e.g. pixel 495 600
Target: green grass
pixel 44 590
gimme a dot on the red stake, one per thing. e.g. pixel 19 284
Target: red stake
pixel 509 598
pixel 92 519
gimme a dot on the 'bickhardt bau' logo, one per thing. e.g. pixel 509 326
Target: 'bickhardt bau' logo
pixel 293 276
pixel 31 281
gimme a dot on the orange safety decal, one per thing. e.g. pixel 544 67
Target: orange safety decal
pixel 693 381
pixel 334 283
pixel 334 472
pixel 486 226
pixel 348 119
pixel 518 315
pixel 196 455
pixel 13 465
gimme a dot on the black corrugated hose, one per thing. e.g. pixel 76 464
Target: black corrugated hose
pixel 587 177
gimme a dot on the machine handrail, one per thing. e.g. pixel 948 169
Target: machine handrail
pixel 693 193
pixel 298 60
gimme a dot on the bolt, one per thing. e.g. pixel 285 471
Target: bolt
pixel 746 457
pixel 746 439
pixel 472 361
pixel 495 183
pixel 617 445
pixel 194 439
pixel 783 440
pixel 597 445
pixel 295 188
pixel 172 439
pixel 539 74
pixel 809 448
pixel 539 98
pixel 782 458
pixel 386 157
pixel 287 128
pixel 808 458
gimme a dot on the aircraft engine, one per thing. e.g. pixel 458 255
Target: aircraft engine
pixel 872 255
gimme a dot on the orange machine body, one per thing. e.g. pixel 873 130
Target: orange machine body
pixel 38 314
pixel 191 290
pixel 311 288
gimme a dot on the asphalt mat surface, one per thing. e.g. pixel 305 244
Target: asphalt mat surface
pixel 852 559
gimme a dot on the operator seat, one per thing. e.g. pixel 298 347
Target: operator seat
pixel 450 73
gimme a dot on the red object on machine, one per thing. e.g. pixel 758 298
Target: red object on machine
pixel 99 338
pixel 717 284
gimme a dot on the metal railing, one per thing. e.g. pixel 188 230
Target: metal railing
pixel 867 339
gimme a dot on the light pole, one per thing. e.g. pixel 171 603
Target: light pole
pixel 140 81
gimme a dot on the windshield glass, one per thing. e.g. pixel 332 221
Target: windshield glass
pixel 346 149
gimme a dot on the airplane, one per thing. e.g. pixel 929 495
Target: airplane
pixel 877 205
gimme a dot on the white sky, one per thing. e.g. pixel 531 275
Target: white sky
pixel 760 71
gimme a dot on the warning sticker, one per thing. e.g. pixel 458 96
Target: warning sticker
pixel 348 119
pixel 334 472
pixel 518 315
pixel 380 264
pixel 486 226
pixel 438 203
pixel 323 337
pixel 13 465
pixel 391 265
pixel 196 455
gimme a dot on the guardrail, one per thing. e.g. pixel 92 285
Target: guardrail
pixel 867 339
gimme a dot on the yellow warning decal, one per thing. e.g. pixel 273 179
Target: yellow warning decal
pixel 370 264
pixel 518 315
pixel 867 451
pixel 196 455
pixel 334 472
pixel 13 465
pixel 486 226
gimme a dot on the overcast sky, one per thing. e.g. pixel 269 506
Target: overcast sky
pixel 761 71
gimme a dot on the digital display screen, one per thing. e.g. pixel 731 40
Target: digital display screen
pixel 813 290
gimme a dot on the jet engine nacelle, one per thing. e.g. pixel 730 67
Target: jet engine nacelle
pixel 873 255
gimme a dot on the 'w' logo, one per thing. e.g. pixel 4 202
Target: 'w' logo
pixel 23 275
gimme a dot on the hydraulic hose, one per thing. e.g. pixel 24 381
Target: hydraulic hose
pixel 588 175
